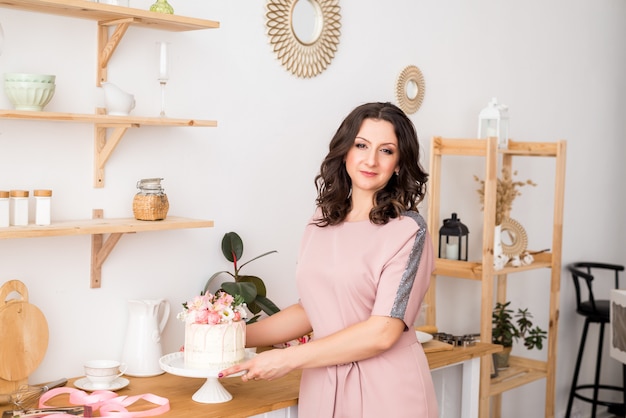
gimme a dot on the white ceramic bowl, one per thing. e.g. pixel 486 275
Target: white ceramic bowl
pixel 29 95
pixel 39 78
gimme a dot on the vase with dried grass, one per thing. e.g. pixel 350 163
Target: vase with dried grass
pixel 506 191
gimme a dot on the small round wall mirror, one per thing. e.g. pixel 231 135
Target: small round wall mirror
pixel 304 33
pixel 410 89
pixel 306 22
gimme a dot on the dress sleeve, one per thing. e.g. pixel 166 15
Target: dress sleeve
pixel 406 276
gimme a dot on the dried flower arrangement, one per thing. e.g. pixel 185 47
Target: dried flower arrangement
pixel 506 192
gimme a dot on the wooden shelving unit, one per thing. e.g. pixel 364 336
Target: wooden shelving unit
pixel 109 130
pixel 521 370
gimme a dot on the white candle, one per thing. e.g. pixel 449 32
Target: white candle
pixel 163 61
pixel 452 251
pixel 491 132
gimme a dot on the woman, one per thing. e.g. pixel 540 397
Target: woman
pixel 363 269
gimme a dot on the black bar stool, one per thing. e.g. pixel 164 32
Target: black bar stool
pixel 596 311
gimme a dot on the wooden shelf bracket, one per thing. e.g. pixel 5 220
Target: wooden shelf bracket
pixel 103 146
pixel 100 250
pixel 107 46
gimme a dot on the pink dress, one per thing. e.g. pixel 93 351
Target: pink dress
pixel 345 274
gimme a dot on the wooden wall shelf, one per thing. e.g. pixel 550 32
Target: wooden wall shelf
pixel 97 227
pixel 101 12
pixel 104 146
pixel 103 120
pixel 101 226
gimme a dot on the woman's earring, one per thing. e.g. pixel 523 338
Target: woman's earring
pixel 349 193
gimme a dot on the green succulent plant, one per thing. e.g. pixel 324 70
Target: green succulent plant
pixel 508 327
pixel 251 288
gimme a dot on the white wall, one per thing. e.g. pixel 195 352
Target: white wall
pixel 558 65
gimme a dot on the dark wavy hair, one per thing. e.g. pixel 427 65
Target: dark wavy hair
pixel 403 192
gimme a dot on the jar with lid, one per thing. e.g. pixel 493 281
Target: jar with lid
pixel 18 200
pixel 4 208
pixel 42 206
pixel 150 203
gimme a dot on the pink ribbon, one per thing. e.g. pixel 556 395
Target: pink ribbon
pixel 109 403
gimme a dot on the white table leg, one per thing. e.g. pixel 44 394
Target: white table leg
pixel 471 388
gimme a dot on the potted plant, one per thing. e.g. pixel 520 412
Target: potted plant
pixel 251 288
pixel 509 327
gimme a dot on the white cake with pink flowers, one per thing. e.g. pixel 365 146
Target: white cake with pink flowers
pixel 215 331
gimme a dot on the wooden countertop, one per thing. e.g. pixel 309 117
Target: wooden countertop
pixel 254 397
pixel 439 359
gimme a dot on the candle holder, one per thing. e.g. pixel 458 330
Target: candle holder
pixel 493 121
pixel 164 63
pixel 451 245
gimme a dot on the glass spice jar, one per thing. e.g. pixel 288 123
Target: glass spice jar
pixel 150 203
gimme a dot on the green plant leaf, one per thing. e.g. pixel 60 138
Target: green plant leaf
pixel 232 245
pixel 261 290
pixel 253 319
pixel 253 307
pixel 257 257
pixel 266 305
pixel 246 290
pixel 208 282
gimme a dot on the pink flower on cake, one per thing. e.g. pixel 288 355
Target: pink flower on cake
pixel 212 318
pixel 213 309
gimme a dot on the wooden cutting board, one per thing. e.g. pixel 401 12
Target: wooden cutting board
pixel 436 345
pixel 23 336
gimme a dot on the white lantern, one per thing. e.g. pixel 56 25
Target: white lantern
pixel 493 121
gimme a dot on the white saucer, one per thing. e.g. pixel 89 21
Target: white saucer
pixel 85 384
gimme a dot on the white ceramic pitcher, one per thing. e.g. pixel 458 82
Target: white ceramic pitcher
pixel 142 347
pixel 116 101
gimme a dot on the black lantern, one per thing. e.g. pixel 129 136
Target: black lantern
pixel 451 245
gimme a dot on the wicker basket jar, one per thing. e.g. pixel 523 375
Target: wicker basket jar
pixel 150 203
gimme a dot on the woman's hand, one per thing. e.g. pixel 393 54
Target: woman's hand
pixel 267 365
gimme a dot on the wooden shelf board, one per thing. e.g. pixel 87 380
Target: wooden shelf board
pixel 101 226
pixel 105 12
pixel 460 146
pixel 473 270
pixel 520 372
pixel 462 269
pixel 104 120
pixel 458 354
pixel 532 149
pixel 478 148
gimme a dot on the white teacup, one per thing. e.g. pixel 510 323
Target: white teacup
pixel 101 373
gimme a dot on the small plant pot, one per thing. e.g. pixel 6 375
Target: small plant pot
pixel 502 358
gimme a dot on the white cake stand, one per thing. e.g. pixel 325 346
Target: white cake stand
pixel 212 390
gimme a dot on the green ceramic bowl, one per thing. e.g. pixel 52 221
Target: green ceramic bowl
pixel 39 78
